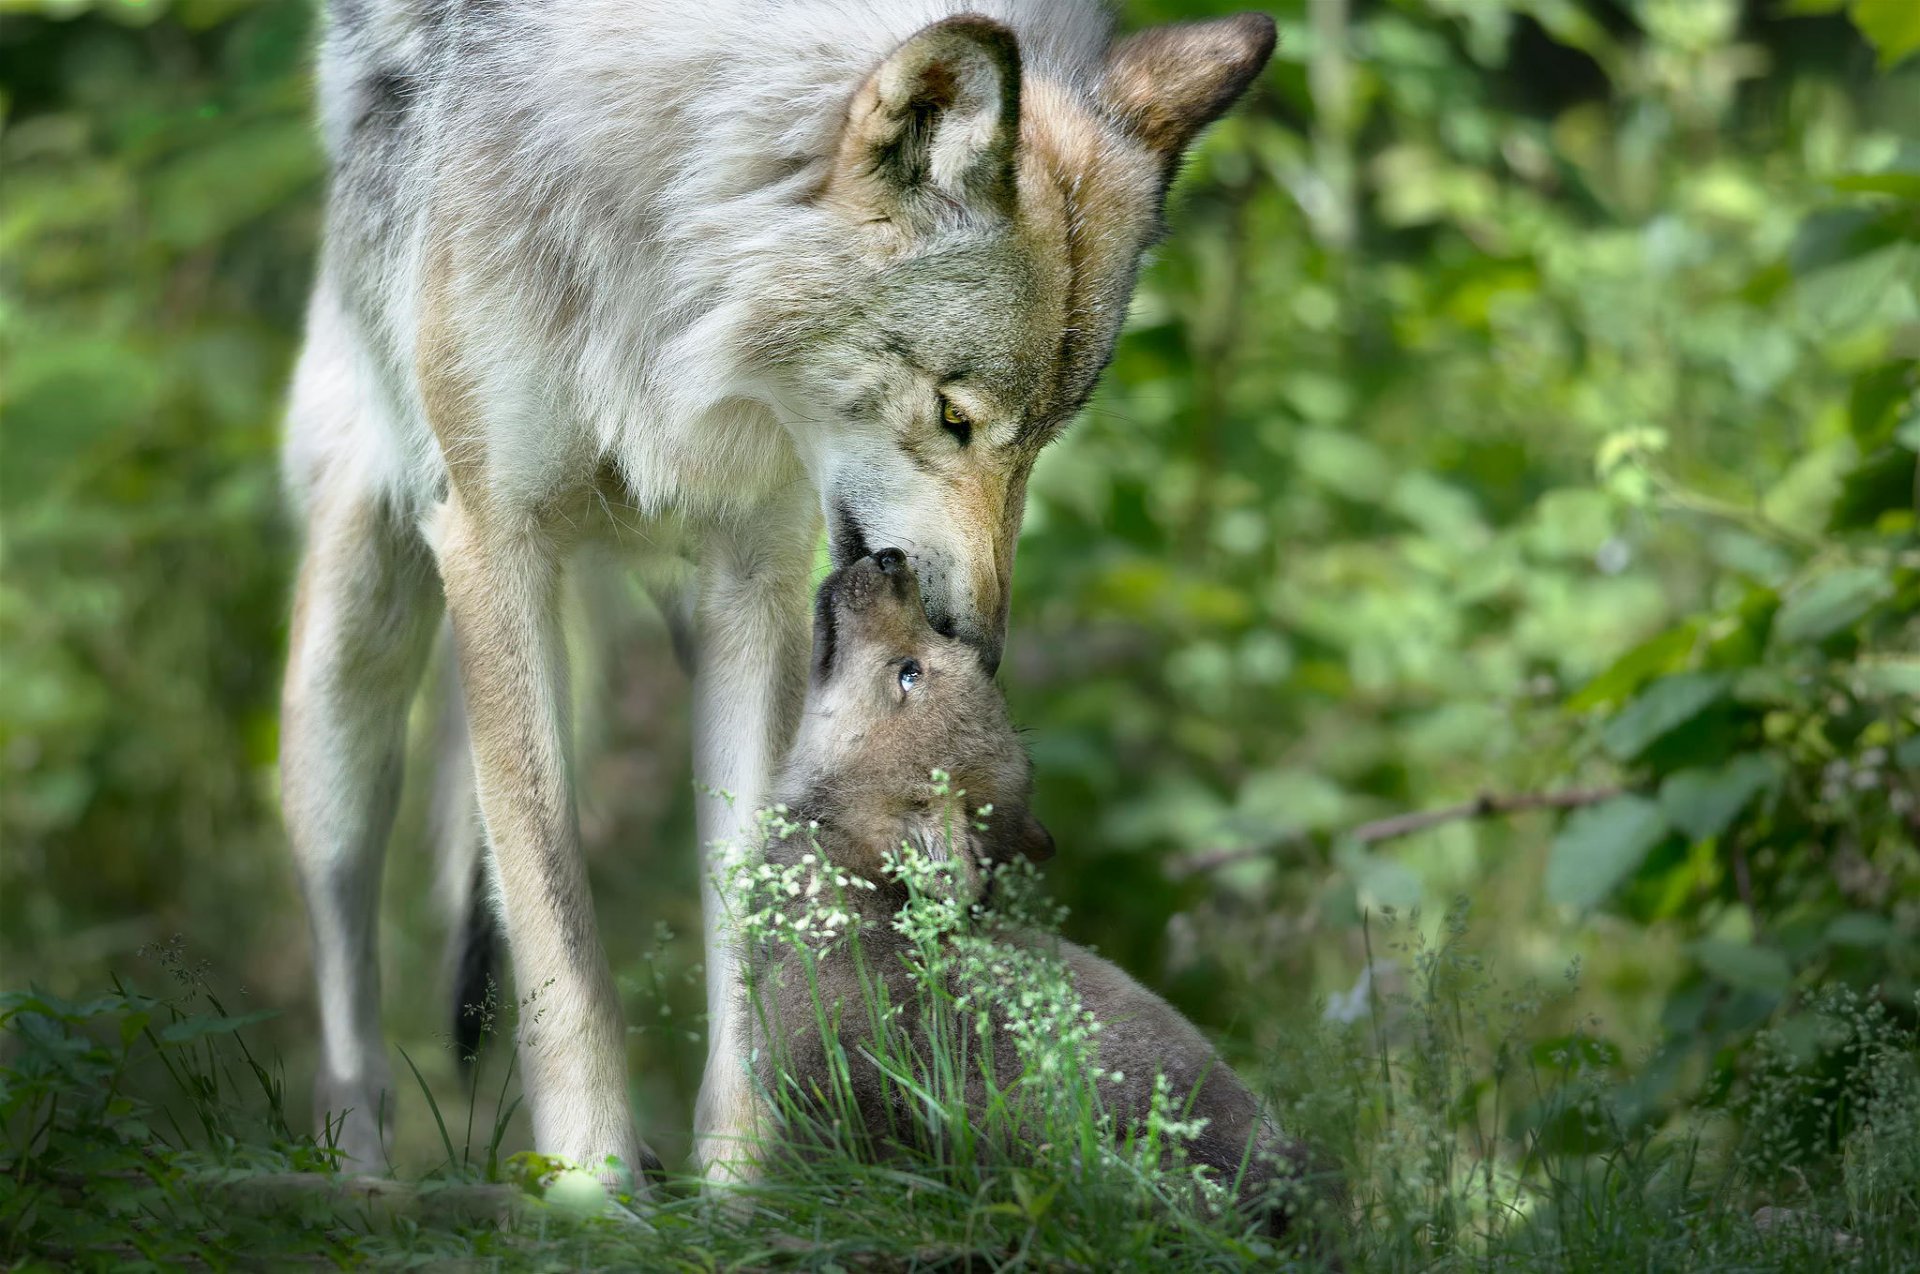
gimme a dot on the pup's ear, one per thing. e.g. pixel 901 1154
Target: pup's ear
pixel 1033 841
pixel 938 121
pixel 1168 83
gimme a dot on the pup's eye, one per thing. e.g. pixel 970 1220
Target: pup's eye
pixel 909 674
pixel 955 421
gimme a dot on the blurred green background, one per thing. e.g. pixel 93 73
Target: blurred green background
pixel 1526 401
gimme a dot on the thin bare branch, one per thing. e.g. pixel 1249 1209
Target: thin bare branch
pixel 1486 805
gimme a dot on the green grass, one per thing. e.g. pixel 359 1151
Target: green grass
pixel 133 1125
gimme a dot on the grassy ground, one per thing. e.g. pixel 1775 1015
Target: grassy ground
pixel 143 1131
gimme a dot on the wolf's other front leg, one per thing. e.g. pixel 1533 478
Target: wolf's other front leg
pixel 752 636
pixel 362 619
pixel 502 580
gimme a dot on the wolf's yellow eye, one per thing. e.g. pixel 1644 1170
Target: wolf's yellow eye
pixel 955 421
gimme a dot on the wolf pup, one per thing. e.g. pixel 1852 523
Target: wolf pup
pixel 693 278
pixel 890 701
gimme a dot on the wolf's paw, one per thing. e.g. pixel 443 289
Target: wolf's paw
pixel 355 1117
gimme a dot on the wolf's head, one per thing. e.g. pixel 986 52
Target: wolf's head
pixel 889 702
pixel 997 217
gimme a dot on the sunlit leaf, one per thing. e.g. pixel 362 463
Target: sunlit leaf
pixel 1859 929
pixel 1891 26
pixel 1663 653
pixel 1384 880
pixel 1742 965
pixel 1664 706
pixel 1904 184
pixel 1702 802
pixel 1889 675
pixel 1599 847
pixel 1830 603
pixel 1907 433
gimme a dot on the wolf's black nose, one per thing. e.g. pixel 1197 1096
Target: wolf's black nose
pixel 889 560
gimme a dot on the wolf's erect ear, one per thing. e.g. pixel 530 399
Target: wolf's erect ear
pixel 1168 83
pixel 938 121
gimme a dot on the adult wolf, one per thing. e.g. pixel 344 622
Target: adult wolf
pixel 696 276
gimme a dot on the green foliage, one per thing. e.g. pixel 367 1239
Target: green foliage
pixel 1525 402
pixel 156 223
pixel 1462 1134
pixel 1779 727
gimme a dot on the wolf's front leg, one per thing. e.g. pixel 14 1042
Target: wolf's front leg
pixel 502 581
pixel 362 622
pixel 750 677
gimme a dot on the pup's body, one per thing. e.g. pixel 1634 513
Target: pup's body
pixel 890 702
pixel 694 276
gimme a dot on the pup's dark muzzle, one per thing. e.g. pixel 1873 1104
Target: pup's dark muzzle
pixel 857 592
pixel 882 577
pixel 985 631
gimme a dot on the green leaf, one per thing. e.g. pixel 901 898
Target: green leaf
pixel 1877 397
pixel 1907 432
pixel 131 1025
pixel 1344 463
pixel 1702 802
pixel 1748 968
pixel 1891 26
pixel 1860 929
pixel 1661 708
pixel 1599 847
pixel 1034 1204
pixel 1386 881
pixel 1830 603
pixel 1659 654
pixel 1882 483
pixel 1838 236
pixel 1890 676
pixel 193 1028
pixel 212 189
pixel 1902 184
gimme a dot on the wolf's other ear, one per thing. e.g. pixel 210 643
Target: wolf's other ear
pixel 1032 840
pixel 1168 83
pixel 939 120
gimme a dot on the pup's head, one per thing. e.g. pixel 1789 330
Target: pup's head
pixel 983 217
pixel 889 702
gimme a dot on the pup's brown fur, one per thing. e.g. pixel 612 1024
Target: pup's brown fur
pixel 859 771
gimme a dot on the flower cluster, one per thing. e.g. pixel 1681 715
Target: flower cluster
pixel 1020 989
pixel 990 970
pixel 1160 1143
pixel 1028 995
pixel 800 904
